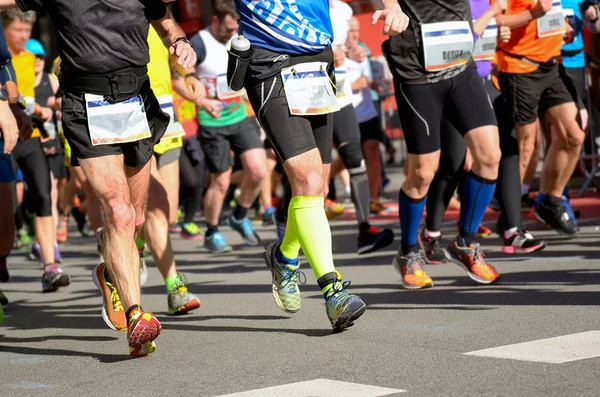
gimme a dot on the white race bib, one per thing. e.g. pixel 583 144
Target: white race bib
pixel 308 90
pixel 485 47
pixel 223 90
pixel 553 22
pixel 174 129
pixel 446 44
pixel 29 105
pixel 340 83
pixel 116 123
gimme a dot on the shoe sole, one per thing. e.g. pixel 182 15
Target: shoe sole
pixel 472 276
pixel 220 251
pixel 380 243
pixel 104 315
pixel 141 339
pixel 510 250
pixel 191 305
pixel 62 280
pixel 346 320
pixel 398 269
pixel 533 215
pixel 267 257
pixel 190 237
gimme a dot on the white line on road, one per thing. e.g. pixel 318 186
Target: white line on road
pixel 557 350
pixel 319 388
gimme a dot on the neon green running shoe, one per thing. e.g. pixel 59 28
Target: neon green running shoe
pixel 180 300
pixel 285 280
pixel 342 308
pixel 191 231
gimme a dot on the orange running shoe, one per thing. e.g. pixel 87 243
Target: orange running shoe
pixel 375 207
pixel 113 312
pixel 143 328
pixel 482 232
pixel 62 229
pixel 471 259
pixel 333 209
pixel 412 269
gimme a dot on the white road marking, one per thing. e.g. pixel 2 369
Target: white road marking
pixel 557 350
pixel 319 388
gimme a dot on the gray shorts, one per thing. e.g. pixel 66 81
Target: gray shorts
pixel 168 157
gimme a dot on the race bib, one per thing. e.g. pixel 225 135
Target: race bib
pixel 341 79
pixel 485 48
pixel 446 44
pixel 116 123
pixel 553 22
pixel 223 90
pixel 308 89
pixel 174 129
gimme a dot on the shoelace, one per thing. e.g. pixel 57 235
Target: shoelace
pixel 337 291
pixel 292 276
pixel 415 262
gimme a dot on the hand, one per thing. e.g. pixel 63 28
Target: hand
pixel 339 55
pixel 498 6
pixel 8 125
pixel 186 56
pixel 541 8
pixel 212 106
pixel 357 54
pixel 504 34
pixel 591 14
pixel 569 35
pixel 196 88
pixel 395 21
pixel 45 113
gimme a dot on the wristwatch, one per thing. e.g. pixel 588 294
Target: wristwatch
pixel 3 95
pixel 182 38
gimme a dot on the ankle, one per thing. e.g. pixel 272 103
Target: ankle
pixel 130 310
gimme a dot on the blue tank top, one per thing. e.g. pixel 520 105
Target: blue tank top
pixel 288 26
pixel 577 61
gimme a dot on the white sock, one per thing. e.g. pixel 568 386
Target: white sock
pixel 432 234
pixel 510 232
pixel 525 189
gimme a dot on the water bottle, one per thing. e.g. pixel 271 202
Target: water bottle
pixel 238 60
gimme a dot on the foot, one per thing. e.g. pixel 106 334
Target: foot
pixel 333 209
pixel 216 243
pixel 142 330
pixel 180 300
pixel 375 207
pixel 113 312
pixel 412 269
pixel 471 259
pixel 555 217
pixel 374 239
pixel 573 214
pixel 191 231
pixel 35 254
pixel 175 228
pixel 268 217
pixel 244 228
pixel 342 308
pixel 433 252
pixel 4 275
pixel 62 229
pixel 284 280
pixel 54 278
pixel 521 241
pixel 3 299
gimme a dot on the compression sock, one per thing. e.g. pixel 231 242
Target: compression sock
pixel 170 282
pixel 360 196
pixel 290 246
pixel 313 233
pixel 211 229
pixel 475 199
pixel 240 212
pixel 411 212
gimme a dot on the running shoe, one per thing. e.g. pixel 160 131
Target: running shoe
pixel 280 231
pixel 191 231
pixel 374 239
pixel 57 255
pixel 472 261
pixel 268 217
pixel 143 268
pixel 81 221
pixel 285 279
pixel 244 228
pixel 521 241
pixel 342 308
pixel 4 275
pixel 175 228
pixel 573 214
pixel 62 228
pixel 142 330
pixel 35 254
pixel 54 278
pixel 113 311
pixel 412 269
pixel 180 300
pixel 433 252
pixel 375 207
pixel 482 231
pixel 22 239
pixel 3 299
pixel 216 243
pixel 554 217
pixel 333 209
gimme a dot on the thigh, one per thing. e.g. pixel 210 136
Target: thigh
pixel 522 93
pixel 246 136
pixel 420 107
pixel 106 176
pixel 345 126
pixel 216 148
pixel 454 148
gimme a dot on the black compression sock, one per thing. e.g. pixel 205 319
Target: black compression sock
pixel 211 229
pixel 240 212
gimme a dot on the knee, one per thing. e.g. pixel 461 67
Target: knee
pixel 575 138
pixel 491 160
pixel 44 203
pixel 311 185
pixel 121 214
pixel 352 157
pixel 422 176
pixel 257 173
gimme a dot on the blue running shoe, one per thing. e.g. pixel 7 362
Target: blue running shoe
pixel 567 204
pixel 217 244
pixel 285 280
pixel 244 228
pixel 268 217
pixel 342 308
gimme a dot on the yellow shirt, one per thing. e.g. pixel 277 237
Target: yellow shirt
pixel 159 72
pixel 24 64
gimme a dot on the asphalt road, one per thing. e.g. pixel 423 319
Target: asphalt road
pixel 239 340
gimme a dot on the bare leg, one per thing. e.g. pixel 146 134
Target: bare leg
pixel 526 135
pixel 254 162
pixel 373 161
pixel 45 233
pixel 215 194
pixel 169 175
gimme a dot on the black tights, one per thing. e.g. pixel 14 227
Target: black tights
pixel 192 173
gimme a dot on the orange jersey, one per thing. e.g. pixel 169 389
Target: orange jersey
pixel 524 41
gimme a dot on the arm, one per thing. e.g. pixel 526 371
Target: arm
pixel 395 21
pixel 188 85
pixel 7 4
pixel 515 21
pixel 484 20
pixel 169 31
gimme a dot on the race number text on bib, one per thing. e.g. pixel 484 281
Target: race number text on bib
pixel 116 123
pixel 223 90
pixel 446 44
pixel 174 129
pixel 308 89
pixel 553 22
pixel 485 47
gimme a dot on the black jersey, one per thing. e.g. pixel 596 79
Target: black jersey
pixel 405 51
pixel 100 36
